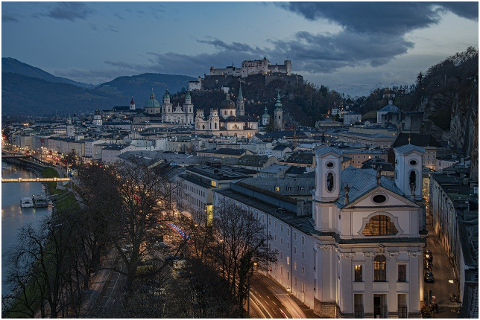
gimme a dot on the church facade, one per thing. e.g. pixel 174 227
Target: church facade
pixel 359 252
pixel 177 114
pixel 228 120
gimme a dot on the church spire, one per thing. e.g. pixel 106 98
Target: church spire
pixel 240 102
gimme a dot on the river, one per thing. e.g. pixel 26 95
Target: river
pixel 13 216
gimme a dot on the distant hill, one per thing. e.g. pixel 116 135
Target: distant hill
pixel 27 90
pixel 14 66
pixel 140 86
pixel 22 95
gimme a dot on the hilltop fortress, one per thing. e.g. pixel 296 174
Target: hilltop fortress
pixel 251 67
pixel 219 76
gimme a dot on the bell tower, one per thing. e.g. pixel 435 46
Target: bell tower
pixel 328 167
pixel 278 114
pixel 409 170
pixel 327 174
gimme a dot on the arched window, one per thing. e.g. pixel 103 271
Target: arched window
pixel 329 181
pixel 380 268
pixel 413 180
pixel 380 225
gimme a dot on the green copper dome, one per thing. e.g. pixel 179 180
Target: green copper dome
pixel 227 103
pixel 265 114
pixel 152 102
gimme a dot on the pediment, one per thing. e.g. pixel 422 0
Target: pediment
pixel 380 197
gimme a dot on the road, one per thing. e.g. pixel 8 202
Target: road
pixel 442 270
pixel 270 300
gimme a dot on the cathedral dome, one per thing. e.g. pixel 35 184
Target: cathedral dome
pixel 228 104
pixel 152 102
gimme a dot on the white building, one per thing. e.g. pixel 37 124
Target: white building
pixel 178 114
pixel 360 252
pixel 351 118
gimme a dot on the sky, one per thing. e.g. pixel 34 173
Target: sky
pixel 345 46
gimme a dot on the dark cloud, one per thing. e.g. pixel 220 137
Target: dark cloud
pixel 327 53
pixel 388 17
pixel 314 53
pixel 9 18
pixel 70 11
pixel 468 10
pixel 219 44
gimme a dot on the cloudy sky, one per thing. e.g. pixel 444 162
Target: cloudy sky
pixel 342 45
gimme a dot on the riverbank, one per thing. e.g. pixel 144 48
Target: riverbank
pixel 62 198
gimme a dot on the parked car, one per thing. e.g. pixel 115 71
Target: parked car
pixel 428 265
pixel 428 255
pixel 429 277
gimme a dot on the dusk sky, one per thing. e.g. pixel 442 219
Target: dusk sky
pixel 337 44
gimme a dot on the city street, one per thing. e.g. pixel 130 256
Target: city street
pixel 269 300
pixel 442 270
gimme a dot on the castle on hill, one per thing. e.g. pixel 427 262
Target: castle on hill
pixel 220 76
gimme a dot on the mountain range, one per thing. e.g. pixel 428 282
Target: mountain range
pixel 30 91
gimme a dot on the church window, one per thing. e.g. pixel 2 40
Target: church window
pixel 330 164
pixel 413 178
pixel 413 162
pixel 380 225
pixel 380 268
pixel 330 181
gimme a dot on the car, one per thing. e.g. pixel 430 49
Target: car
pixel 428 265
pixel 429 277
pixel 428 255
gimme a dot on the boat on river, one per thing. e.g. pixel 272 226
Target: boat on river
pixel 40 201
pixel 26 202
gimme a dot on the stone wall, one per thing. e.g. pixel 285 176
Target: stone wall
pixel 324 309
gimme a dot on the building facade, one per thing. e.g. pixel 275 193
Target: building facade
pixel 178 114
pixel 360 251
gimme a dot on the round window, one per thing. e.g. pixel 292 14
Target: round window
pixel 379 198
pixel 330 164
pixel 413 162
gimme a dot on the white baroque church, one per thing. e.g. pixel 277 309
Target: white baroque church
pixel 360 251
pixel 177 114
pixel 369 239
pixel 228 120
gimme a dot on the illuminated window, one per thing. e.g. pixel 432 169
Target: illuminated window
pixel 380 268
pixel 214 183
pixel 358 273
pixel 380 225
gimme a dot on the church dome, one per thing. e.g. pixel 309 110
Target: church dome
pixel 228 104
pixel 152 102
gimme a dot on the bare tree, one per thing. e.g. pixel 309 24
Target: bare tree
pixel 242 242
pixel 100 199
pixel 46 280
pixel 141 188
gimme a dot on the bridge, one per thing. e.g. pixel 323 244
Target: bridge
pixel 15 156
pixel 35 180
